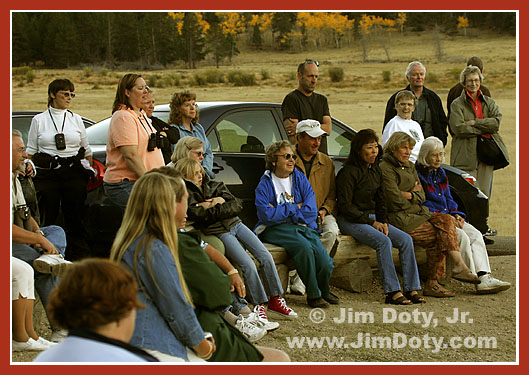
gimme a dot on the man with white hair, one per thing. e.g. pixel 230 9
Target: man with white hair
pixel 43 248
pixel 429 112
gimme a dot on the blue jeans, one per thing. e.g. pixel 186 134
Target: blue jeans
pixel 44 283
pixel 257 294
pixel 118 193
pixel 383 245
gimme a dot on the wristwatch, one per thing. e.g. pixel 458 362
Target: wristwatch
pixel 233 272
pixel 40 231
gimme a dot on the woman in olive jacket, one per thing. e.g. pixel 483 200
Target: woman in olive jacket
pixel 435 232
pixel 473 115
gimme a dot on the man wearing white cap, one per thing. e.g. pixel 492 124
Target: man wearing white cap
pixel 319 169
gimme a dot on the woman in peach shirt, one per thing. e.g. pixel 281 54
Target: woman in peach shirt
pixel 131 149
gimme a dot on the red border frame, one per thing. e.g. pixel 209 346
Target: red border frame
pixel 237 5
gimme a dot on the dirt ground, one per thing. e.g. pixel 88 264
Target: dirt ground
pixel 482 320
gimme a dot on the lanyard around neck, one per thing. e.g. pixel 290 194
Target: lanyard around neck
pixel 63 121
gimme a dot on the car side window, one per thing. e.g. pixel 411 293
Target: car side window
pixel 339 142
pixel 246 131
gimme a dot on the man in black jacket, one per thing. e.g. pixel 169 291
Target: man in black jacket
pixel 429 111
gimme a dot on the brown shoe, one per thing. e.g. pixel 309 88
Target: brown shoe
pixel 437 292
pixel 466 277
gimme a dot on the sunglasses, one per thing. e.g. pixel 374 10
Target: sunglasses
pixel 310 61
pixel 68 94
pixel 288 156
pixel 199 153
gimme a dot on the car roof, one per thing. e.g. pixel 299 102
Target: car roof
pixel 33 113
pixel 210 105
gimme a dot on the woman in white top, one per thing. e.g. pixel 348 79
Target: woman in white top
pixel 59 148
pixel 405 103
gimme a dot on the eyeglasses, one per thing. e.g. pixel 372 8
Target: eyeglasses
pixel 288 156
pixel 477 80
pixel 199 153
pixel 310 61
pixel 67 94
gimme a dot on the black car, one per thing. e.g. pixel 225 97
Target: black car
pixel 21 120
pixel 240 131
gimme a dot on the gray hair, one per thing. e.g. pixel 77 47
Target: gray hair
pixel 411 65
pixel 16 133
pixel 397 140
pixel 183 146
pixel 271 151
pixel 428 146
pixel 469 70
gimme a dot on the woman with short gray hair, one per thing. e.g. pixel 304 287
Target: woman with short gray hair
pixel 439 199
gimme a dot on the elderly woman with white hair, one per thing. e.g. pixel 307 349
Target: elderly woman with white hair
pixel 439 199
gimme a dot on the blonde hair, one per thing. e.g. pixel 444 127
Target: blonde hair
pixel 183 146
pixel 150 213
pixel 186 167
pixel 397 140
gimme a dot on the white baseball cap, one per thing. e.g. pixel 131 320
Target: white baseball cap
pixel 311 127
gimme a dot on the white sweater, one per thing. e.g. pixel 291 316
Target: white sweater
pixel 413 128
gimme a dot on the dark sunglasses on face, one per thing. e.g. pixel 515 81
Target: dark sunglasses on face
pixel 288 156
pixel 199 153
pixel 68 94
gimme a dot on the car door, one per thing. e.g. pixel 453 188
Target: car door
pixel 238 139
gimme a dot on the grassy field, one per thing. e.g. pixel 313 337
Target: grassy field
pixel 359 100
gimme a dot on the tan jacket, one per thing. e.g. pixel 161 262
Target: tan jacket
pixel 464 137
pixel 323 181
pixel 397 177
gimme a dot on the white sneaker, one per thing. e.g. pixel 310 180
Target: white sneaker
pixel 249 329
pixel 261 319
pixel 59 335
pixel 28 345
pixel 43 341
pixel 296 285
pixel 54 264
pixel 490 285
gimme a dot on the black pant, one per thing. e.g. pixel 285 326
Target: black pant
pixel 63 191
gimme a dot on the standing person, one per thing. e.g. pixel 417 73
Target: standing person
pixel 405 103
pixel 362 214
pixel 474 115
pixel 184 115
pixel 286 212
pixel 23 298
pixel 429 110
pixel 436 232
pixel 457 89
pixel 214 210
pixel 58 146
pixel 303 103
pixel 167 134
pixel 96 301
pixel 439 199
pixel 42 248
pixel 130 149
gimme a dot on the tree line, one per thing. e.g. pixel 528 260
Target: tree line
pixel 157 39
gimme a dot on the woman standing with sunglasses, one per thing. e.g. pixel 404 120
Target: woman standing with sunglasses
pixel 184 114
pixel 58 146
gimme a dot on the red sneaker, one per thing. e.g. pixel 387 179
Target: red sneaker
pixel 278 305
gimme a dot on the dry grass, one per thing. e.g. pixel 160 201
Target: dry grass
pixel 359 100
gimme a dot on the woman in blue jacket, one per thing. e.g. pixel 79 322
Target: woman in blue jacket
pixel 439 199
pixel 286 211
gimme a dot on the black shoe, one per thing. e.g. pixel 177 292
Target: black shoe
pixel 332 299
pixel 488 241
pixel 317 302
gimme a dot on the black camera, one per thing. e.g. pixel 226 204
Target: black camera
pixel 60 141
pixel 155 140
